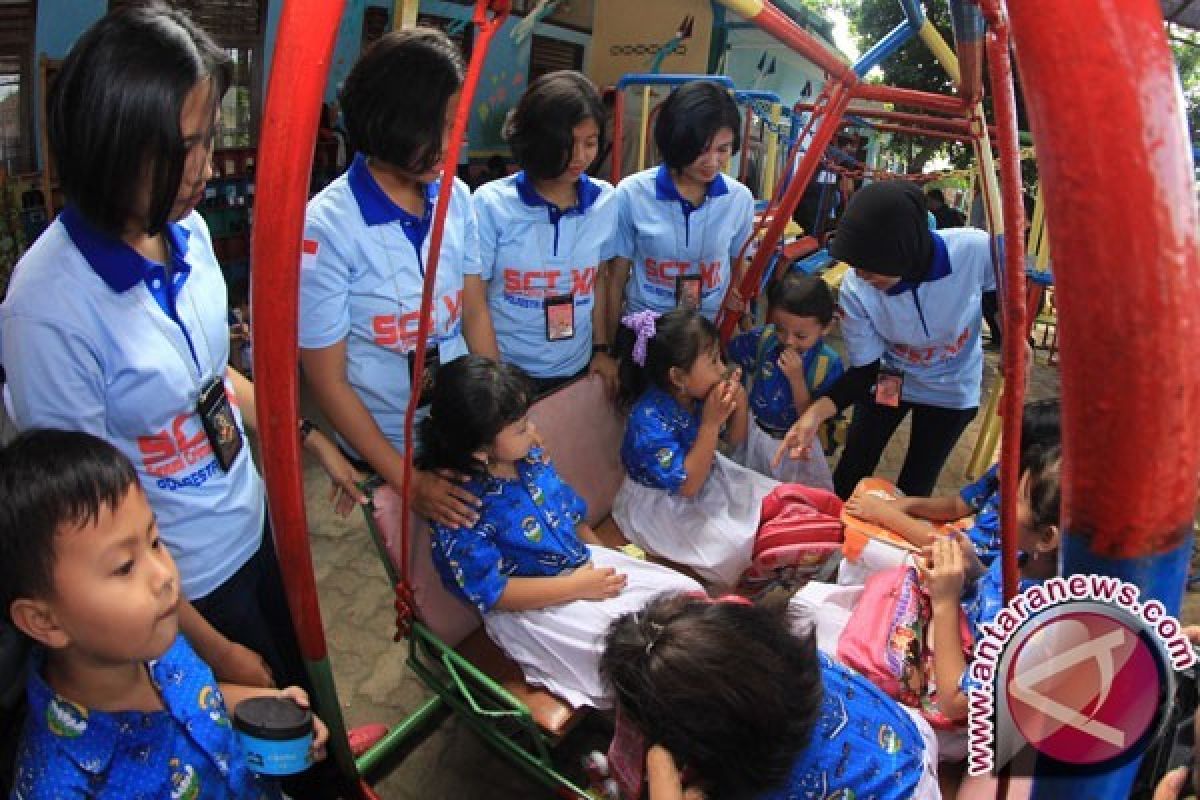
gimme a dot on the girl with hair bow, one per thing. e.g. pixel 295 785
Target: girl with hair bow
pixel 681 499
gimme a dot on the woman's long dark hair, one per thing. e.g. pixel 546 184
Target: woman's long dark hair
pixel 474 398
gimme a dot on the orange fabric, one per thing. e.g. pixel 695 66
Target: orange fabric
pixel 859 531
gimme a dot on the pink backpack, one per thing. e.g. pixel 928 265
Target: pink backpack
pixel 886 640
pixel 799 530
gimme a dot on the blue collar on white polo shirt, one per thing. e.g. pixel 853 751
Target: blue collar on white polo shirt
pixel 588 192
pixel 379 209
pixel 665 188
pixel 121 267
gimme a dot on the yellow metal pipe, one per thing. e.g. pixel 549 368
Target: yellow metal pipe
pixel 404 14
pixel 642 129
pixel 937 45
pixel 772 157
pixel 984 452
pixel 1037 225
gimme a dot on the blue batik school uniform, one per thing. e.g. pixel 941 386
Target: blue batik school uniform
pixel 95 338
pixel 983 498
pixel 929 332
pixel 360 282
pixel 667 237
pixel 773 407
pixel 527 528
pixel 540 263
pixel 864 745
pixel 981 602
pixel 711 533
pixel 187 751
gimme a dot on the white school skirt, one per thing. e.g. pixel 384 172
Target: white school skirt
pixel 712 533
pixel 812 471
pixel 559 648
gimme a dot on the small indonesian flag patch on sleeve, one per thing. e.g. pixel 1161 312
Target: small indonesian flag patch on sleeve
pixel 308 253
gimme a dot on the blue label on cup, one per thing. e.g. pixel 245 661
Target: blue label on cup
pixel 267 757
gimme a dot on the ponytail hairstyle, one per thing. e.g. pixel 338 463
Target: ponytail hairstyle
pixel 675 339
pixel 727 688
pixel 474 398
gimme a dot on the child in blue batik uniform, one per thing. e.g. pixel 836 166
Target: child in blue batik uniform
pixel 119 705
pixel 731 693
pixel 530 564
pixel 958 580
pixel 681 499
pixel 786 364
pixel 911 516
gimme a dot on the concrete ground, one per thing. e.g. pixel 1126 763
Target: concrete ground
pixel 451 762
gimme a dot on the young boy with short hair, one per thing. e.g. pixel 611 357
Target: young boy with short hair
pixel 119 704
pixel 786 364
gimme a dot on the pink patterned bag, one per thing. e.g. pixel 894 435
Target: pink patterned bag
pixel 887 640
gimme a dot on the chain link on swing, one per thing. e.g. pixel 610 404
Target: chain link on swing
pixel 762 111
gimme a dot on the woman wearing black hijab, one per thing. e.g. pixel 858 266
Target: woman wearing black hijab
pixel 911 322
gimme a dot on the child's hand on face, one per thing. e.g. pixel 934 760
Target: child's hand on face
pixel 720 403
pixel 944 571
pixel 594 583
pixel 739 391
pixel 791 364
pixel 320 732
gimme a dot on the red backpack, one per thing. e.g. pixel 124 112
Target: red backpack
pixel 799 530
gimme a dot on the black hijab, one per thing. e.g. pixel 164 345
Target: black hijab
pixel 885 230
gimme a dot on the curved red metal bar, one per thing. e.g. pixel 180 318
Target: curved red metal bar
pixel 1106 112
pixel 1004 102
pixel 289 134
pixel 489 17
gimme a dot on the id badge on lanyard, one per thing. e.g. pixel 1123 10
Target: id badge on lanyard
pixel 687 291
pixel 216 415
pixel 888 387
pixel 560 317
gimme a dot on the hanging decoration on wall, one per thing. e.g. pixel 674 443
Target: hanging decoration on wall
pixel 683 32
pixel 524 29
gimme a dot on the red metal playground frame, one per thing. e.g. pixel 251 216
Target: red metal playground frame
pixel 1106 115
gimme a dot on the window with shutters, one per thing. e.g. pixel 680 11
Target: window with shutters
pixel 237 26
pixel 16 84
pixel 551 55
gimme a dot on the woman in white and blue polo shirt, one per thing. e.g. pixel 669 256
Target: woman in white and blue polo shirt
pixel 116 324
pixel 682 224
pixel 366 244
pixel 546 233
pixel 910 318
